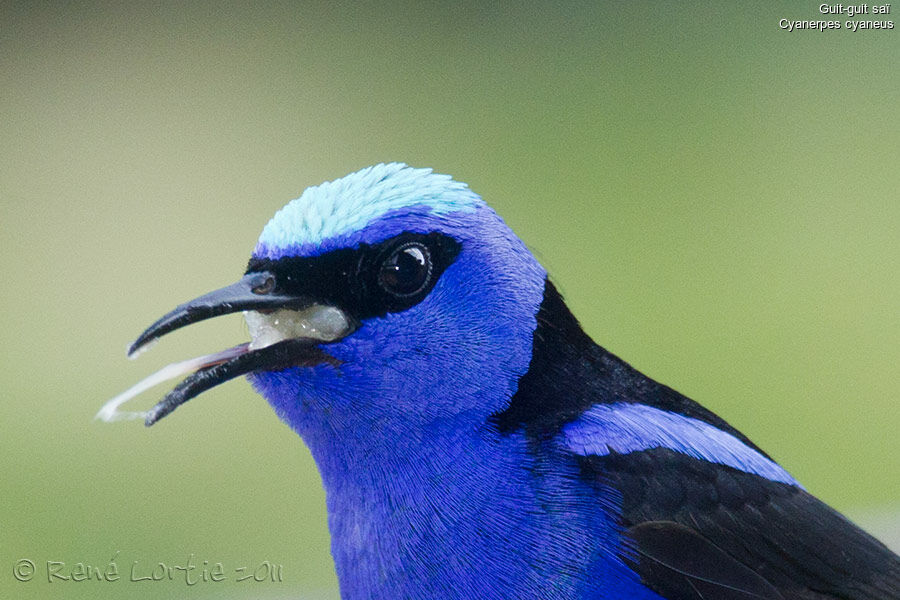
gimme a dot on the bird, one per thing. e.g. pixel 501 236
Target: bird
pixel 474 442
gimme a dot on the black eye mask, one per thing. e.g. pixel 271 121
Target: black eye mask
pixel 370 280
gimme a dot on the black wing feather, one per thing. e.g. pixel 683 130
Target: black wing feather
pixel 699 530
pixel 685 564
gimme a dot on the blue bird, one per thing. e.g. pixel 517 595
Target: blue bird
pixel 475 443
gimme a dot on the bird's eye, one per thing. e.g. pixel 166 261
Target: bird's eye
pixel 407 271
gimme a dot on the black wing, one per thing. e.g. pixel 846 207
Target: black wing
pixel 701 531
pixel 696 530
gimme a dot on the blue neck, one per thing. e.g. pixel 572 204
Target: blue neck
pixel 402 523
pixel 471 514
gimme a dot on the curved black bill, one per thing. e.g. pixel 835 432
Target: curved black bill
pixel 281 341
pixel 252 292
pixel 288 353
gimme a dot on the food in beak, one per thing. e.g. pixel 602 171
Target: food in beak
pixel 281 338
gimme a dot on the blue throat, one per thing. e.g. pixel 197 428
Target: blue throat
pixel 465 511
pixel 471 514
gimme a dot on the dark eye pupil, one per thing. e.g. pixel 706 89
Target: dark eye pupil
pixel 406 271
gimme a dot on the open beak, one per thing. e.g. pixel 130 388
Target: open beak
pixel 286 331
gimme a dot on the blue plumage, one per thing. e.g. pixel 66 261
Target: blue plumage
pixel 625 428
pixel 475 443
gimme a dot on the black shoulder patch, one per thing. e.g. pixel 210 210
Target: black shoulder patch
pixel 569 373
pixel 696 530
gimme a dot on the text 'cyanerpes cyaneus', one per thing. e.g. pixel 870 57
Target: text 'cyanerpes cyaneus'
pixel 474 442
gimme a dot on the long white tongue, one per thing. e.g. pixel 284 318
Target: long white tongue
pixel 110 411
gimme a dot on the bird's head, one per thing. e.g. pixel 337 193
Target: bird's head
pixel 393 297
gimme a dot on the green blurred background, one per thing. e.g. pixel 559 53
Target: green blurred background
pixel 718 199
